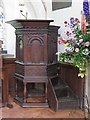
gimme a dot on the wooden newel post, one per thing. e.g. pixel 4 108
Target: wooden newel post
pixel 0 60
pixel 85 103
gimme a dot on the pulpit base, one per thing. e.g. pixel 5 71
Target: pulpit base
pixel 30 104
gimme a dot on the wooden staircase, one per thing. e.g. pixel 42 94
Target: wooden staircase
pixel 60 96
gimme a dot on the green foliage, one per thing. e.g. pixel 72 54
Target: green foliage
pixel 77 47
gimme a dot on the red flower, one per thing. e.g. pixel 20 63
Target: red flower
pixel 77 20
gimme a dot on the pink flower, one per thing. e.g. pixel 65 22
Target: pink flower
pixel 70 41
pixel 61 40
pixel 81 40
pixel 89 60
pixel 76 49
pixel 87 44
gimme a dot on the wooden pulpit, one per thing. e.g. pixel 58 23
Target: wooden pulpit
pixel 36 60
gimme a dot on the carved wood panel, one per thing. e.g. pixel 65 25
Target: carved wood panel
pixel 19 47
pixel 36 49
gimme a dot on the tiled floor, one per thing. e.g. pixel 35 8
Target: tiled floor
pixel 19 112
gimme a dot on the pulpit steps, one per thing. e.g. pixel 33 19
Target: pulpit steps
pixel 61 96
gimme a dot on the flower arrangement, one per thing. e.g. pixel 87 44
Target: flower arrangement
pixel 76 45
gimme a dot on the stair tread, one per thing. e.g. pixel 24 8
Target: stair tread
pixel 64 93
pixel 67 99
pixel 60 86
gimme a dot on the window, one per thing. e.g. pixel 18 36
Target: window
pixel 60 4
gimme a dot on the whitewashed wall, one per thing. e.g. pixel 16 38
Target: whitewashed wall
pixel 12 11
pixel 36 10
pixel 61 15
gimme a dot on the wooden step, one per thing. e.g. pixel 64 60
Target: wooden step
pixel 42 105
pixel 62 92
pixel 68 103
pixel 61 96
pixel 57 83
pixel 32 102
